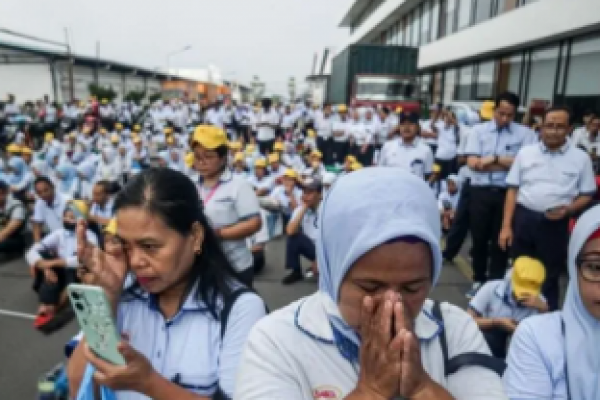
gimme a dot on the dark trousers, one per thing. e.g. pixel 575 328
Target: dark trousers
pixel 247 277
pixel 546 240
pixel 325 146
pixel 298 245
pixel 460 227
pixel 266 146
pixel 447 167
pixel 366 158
pixel 487 209
pixel 13 244
pixel 339 151
pixel 497 340
pixel 48 292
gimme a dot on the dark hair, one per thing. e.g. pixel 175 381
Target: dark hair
pixel 564 109
pixel 43 179
pixel 510 98
pixel 173 197
pixel 3 186
pixel 222 151
pixel 105 185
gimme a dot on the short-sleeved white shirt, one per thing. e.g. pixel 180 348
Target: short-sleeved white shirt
pixel 267 132
pixel 232 202
pixel 415 157
pixel 15 208
pixel 494 300
pixel 50 215
pixel 292 354
pixel 310 222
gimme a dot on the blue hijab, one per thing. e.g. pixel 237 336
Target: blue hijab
pixel 19 170
pixel 582 330
pixel 52 156
pixel 68 175
pixel 399 205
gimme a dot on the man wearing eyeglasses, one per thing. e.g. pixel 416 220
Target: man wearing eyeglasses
pixel 549 182
pixel 302 231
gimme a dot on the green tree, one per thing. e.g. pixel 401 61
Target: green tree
pixel 102 92
pixel 135 96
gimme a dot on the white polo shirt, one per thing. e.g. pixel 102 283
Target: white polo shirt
pixel 63 243
pixel 267 132
pixel 292 354
pixel 494 300
pixel 103 212
pixel 232 202
pixel 188 348
pixel 310 222
pixel 340 126
pixel 415 157
pixel 448 141
pixel 51 215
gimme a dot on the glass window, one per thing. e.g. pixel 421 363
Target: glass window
pixel 483 9
pixel 583 79
pixel 505 5
pixel 465 9
pixel 509 74
pixel 435 20
pixel 426 23
pixel 401 32
pixel 449 15
pixel 449 85
pixel 409 30
pixel 425 88
pixel 415 28
pixel 542 75
pixel 464 87
pixel 485 80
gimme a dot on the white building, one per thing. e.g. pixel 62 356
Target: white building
pixel 469 50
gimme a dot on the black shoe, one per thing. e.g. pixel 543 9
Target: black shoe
pixel 293 277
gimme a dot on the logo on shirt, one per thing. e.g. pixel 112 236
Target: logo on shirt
pixel 327 393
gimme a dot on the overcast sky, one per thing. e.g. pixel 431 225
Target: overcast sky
pixel 274 39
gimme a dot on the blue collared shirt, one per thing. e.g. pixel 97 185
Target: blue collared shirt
pixel 188 348
pixel 551 179
pixel 487 140
pixel 495 300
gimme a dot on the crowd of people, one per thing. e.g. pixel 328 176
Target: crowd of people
pixel 170 211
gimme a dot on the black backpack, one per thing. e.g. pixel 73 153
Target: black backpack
pixel 467 359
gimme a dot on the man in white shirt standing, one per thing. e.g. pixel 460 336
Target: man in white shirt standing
pixel 267 124
pixel 340 128
pixel 324 125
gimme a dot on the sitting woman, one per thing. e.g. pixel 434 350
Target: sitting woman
pixel 555 356
pixel 54 261
pixel 370 332
pixel 185 329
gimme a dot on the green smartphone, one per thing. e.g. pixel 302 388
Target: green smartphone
pixel 94 314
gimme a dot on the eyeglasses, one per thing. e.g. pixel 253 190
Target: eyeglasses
pixel 589 269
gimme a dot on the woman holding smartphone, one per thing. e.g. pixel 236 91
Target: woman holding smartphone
pixel 183 328
pixel 370 332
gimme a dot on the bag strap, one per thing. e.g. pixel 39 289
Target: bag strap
pixel 228 303
pixel 451 366
pixel 562 322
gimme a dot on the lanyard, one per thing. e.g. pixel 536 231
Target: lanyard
pixel 211 194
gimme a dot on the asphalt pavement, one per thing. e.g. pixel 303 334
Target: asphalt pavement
pixel 26 354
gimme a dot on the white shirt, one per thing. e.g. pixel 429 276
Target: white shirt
pixel 358 131
pixel 103 212
pixel 310 222
pixel 495 300
pixel 324 126
pixel 428 126
pixel 291 354
pixel 416 157
pixel 284 200
pixel 340 126
pixel 265 182
pixel 267 132
pixel 50 215
pixel 447 141
pixel 374 130
pixel 446 197
pixel 63 243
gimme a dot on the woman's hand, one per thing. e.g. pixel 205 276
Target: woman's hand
pixel 107 271
pixel 380 353
pixel 134 375
pixel 50 276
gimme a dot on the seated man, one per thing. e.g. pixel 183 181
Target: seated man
pixel 102 207
pixel 448 201
pixel 302 231
pixel 49 208
pixel 12 221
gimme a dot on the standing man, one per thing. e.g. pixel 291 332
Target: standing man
pixel 324 124
pixel 267 124
pixel 491 149
pixel 548 183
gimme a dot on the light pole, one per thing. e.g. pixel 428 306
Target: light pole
pixel 173 53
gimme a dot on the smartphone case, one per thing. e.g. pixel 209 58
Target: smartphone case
pixel 95 318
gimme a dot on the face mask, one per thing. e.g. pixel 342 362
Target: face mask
pixel 70 226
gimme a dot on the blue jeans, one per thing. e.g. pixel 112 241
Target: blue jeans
pixel 299 245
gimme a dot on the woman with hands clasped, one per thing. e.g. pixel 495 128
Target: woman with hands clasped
pixel 183 329
pixel 370 331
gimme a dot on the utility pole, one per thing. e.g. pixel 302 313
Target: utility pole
pixel 70 66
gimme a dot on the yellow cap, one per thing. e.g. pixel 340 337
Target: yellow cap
pixel 104 101
pixel 316 153
pixel 311 133
pixel 260 163
pixel 235 145
pixel 350 159
pixel 528 276
pixel 137 128
pixel 437 168
pixel 13 148
pixel 189 159
pixel 168 130
pixel 290 173
pixel 342 108
pixel 170 140
pixel 278 146
pixel 239 156
pixel 137 140
pixel 399 110
pixel 356 166
pixel 273 158
pixel 111 228
pixel 49 136
pixel 210 137
pixel 250 149
pixel 79 208
pixel 26 150
pixel 118 125
pixel 114 138
pixel 487 110
pixel 103 130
